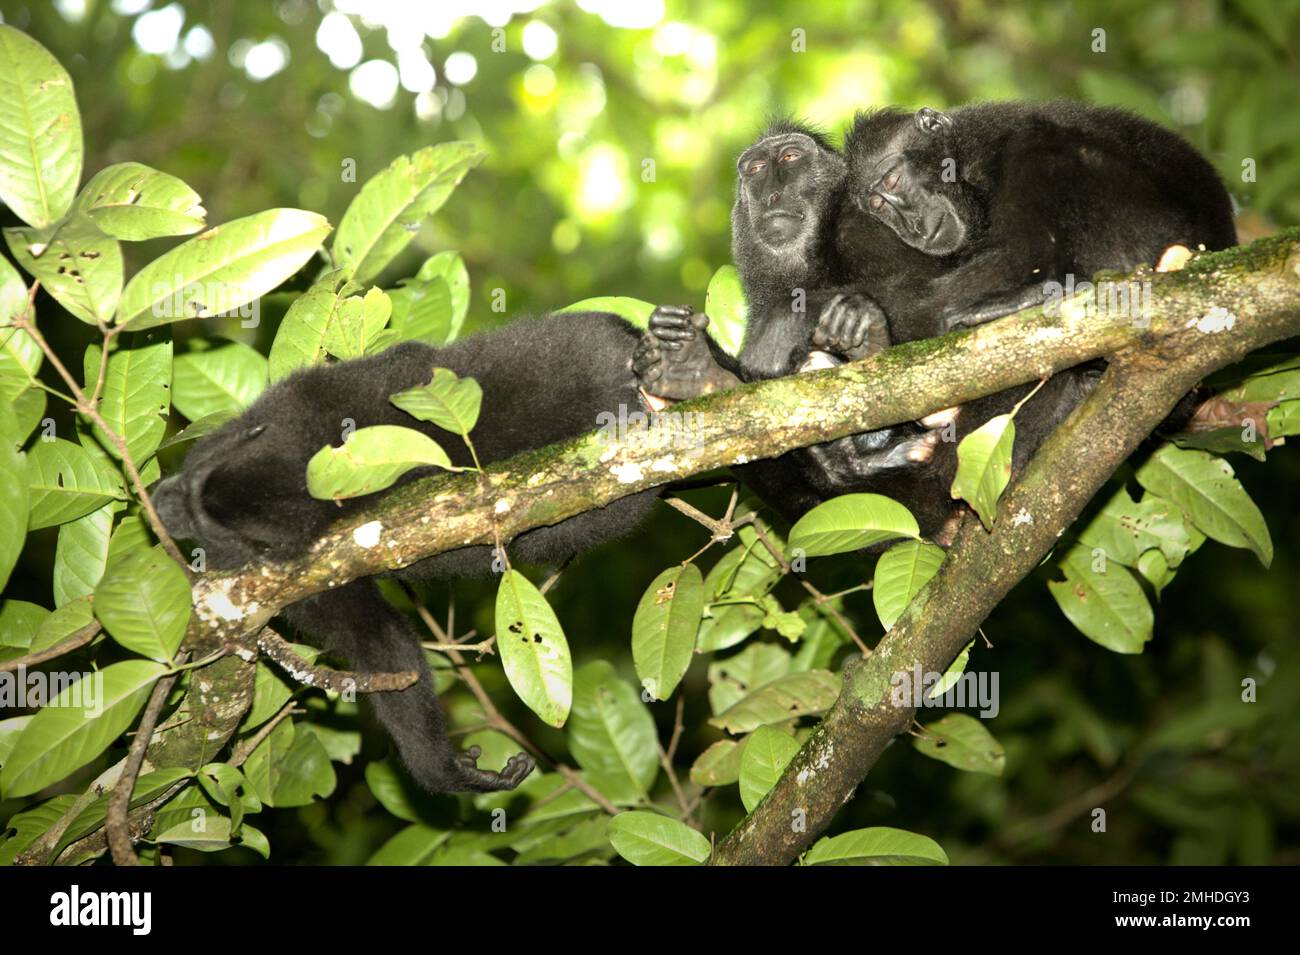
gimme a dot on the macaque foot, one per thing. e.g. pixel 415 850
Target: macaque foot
pixel 851 326
pixel 469 778
pixel 673 359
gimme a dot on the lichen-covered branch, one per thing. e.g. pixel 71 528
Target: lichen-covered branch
pixel 1138 390
pixel 1223 305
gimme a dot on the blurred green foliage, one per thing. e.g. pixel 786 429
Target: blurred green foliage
pixel 610 173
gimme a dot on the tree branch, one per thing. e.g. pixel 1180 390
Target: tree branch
pixel 1210 314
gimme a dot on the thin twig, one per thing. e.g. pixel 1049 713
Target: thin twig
pixel 78 639
pixel 324 678
pixel 490 710
pixel 116 826
pixel 666 760
pixel 91 411
pixel 243 750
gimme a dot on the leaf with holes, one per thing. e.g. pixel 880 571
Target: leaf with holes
pixel 1211 497
pixel 533 650
pixel 382 220
pixel 1103 600
pixel 77 264
pixel 132 201
pixel 220 270
pixel 664 629
pixel 962 742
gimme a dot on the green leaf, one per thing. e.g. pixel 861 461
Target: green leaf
pixel 767 752
pixel 13 293
pixel 647 838
pixel 300 339
pixel 1204 487
pixel 40 131
pixel 216 272
pixel 63 623
pixel 144 603
pixel 14 493
pixel 631 310
pixel 131 201
pixel 197 429
pixel 1284 420
pixel 450 402
pixel 76 726
pixel 414 845
pixel 20 359
pixel 137 392
pixel 19 622
pixel 877 846
pixel 732 679
pixel 1124 529
pixel 223 379
pixel 962 742
pixel 76 263
pixel 370 460
pixel 611 733
pixel 450 268
pixel 215 835
pixel 719 765
pixel 82 553
pixel 741 578
pixel 382 219
pixel 664 629
pixel 724 303
pixel 952 674
pixel 289 768
pixel 28 408
pixel 850 522
pixel 901 572
pixel 791 696
pixel 422 311
pixel 66 481
pixel 533 650
pixel 1103 600
pixel 271 691
pixel 357 324
pixel 984 466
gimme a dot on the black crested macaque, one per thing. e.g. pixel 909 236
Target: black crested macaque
pixel 788 187
pixel 955 219
pixel 242 494
pixel 991 203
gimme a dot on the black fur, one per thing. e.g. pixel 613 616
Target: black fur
pixel 243 492
pixel 1041 193
pixel 788 189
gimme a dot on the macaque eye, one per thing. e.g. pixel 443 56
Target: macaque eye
pixel 892 180
pixel 755 167
pixel 254 431
pixel 876 201
pixel 790 155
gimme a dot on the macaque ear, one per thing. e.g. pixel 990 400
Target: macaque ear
pixel 931 120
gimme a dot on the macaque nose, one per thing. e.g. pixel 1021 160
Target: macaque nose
pixel 774 198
